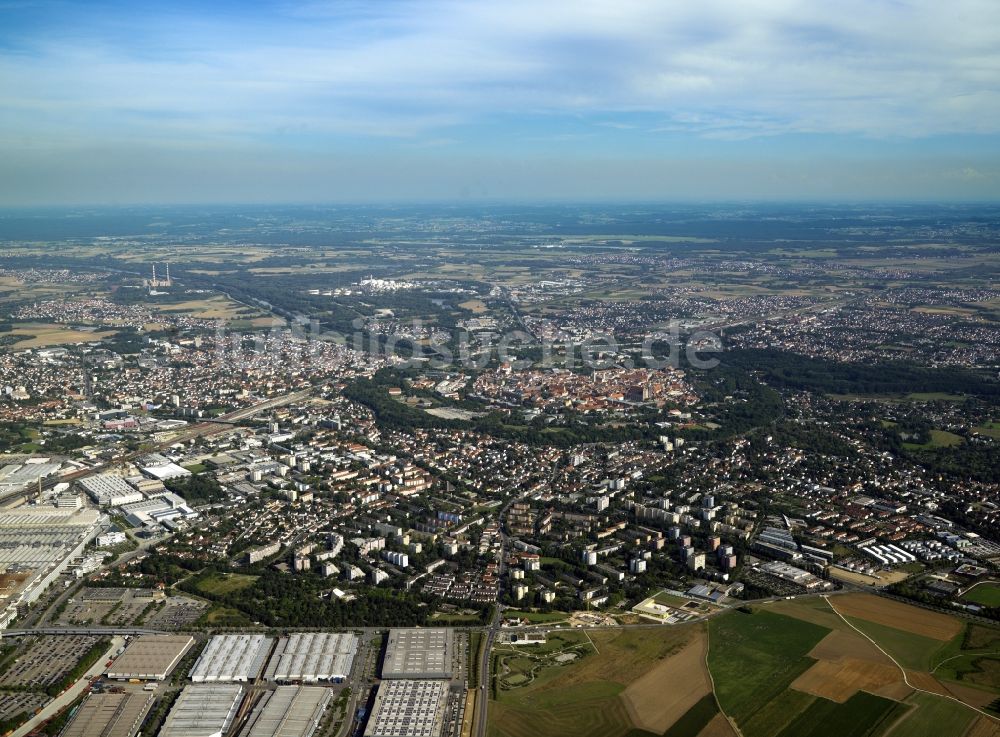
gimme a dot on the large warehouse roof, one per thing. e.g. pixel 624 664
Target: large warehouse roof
pixel 150 657
pixel 314 656
pixel 202 710
pixel 418 653
pixel 408 709
pixel 109 715
pixel 288 711
pixel 232 658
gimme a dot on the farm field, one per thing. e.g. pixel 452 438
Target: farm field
pixel 755 657
pixel 930 716
pixel 40 335
pixel 773 685
pixel 915 620
pixel 623 680
pixel 211 308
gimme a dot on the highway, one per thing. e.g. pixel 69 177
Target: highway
pixel 494 626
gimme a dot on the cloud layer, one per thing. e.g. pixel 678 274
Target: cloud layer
pixel 576 80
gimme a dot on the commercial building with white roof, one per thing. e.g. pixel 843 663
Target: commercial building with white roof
pixel 408 708
pixel 288 711
pixel 109 490
pixel 165 508
pixel 203 710
pixel 313 656
pixel 418 653
pixel 232 658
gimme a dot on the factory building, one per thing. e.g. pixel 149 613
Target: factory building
pixel 408 708
pixel 288 711
pixel 109 490
pixel 150 657
pixel 231 659
pixel 418 654
pixel 36 546
pixel 203 710
pixel 313 657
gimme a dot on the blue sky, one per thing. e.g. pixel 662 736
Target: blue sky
pixel 118 102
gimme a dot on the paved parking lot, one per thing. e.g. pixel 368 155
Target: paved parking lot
pixel 42 661
pixel 12 704
pixel 176 612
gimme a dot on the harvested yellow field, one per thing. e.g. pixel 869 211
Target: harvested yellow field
pixel 718 727
pixel 664 693
pixel 42 335
pixel 213 308
pixel 477 306
pixel 839 680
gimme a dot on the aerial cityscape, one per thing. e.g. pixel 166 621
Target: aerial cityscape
pixel 528 370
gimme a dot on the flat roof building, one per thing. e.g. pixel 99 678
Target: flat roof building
pixel 37 544
pixel 288 711
pixel 109 715
pixel 418 653
pixel 150 657
pixel 232 658
pixel 408 708
pixel 109 490
pixel 313 656
pixel 203 710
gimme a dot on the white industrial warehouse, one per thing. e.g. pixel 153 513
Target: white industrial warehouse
pixel 418 653
pixel 232 658
pixel 408 708
pixel 313 656
pixel 110 490
pixel 288 711
pixel 203 710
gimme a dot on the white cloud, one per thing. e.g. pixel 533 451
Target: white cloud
pixel 893 69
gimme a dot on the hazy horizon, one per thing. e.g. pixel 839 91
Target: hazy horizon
pixel 319 102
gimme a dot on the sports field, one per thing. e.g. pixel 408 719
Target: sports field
pixel 987 594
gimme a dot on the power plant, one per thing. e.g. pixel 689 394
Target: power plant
pixel 153 282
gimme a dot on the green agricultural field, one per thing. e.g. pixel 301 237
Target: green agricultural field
pixel 754 658
pixel 933 716
pixel 777 714
pixel 987 594
pixel 862 715
pixel 220 584
pixel 910 650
